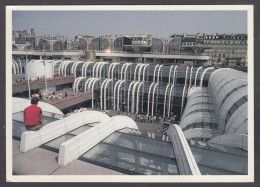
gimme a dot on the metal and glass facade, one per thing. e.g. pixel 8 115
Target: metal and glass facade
pixel 153 90
pixel 218 113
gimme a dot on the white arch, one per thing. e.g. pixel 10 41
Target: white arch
pixel 165 96
pixel 65 73
pixel 98 68
pixel 158 75
pixel 90 82
pixel 137 99
pixel 61 67
pixel 93 85
pixel 91 137
pixel 83 69
pixel 133 97
pixel 122 69
pixel 153 97
pixel 101 93
pixel 126 70
pixel 75 83
pixel 170 73
pixel 140 71
pixel 202 76
pixel 144 70
pixel 75 68
pixel 105 94
pixel 53 66
pixel 123 81
pixel 77 86
pixel 17 66
pixel 190 78
pixel 72 68
pixel 84 73
pixel 109 69
pixel 86 84
pixel 184 89
pixel 113 69
pixel 58 128
pixel 100 72
pixel 14 67
pixel 94 68
pixel 115 93
pixel 149 93
pixel 129 95
pixel 19 104
pixel 197 75
pixel 154 72
pixel 136 67
pixel 172 87
pixel 64 67
pixel 20 63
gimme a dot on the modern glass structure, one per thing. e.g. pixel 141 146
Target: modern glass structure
pixel 174 45
pixel 120 41
pixel 139 88
pixel 157 45
pixel 218 113
pixel 99 44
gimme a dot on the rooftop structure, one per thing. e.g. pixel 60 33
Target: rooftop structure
pixel 218 113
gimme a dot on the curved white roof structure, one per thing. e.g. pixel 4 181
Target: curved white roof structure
pixel 32 139
pixel 219 111
pixel 19 104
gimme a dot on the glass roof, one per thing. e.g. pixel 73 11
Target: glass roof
pixel 128 151
pixel 139 152
pixel 219 163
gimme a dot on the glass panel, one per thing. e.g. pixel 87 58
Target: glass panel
pixel 131 160
pixel 80 130
pixel 56 142
pixel 145 134
pixel 241 101
pixel 141 144
pixel 214 171
pixel 219 160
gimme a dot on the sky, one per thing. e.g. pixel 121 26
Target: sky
pixel 157 23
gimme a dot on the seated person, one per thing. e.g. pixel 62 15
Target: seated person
pixel 33 119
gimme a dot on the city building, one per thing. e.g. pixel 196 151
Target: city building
pixel 228 49
pixel 224 49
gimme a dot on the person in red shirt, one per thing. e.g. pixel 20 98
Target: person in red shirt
pixel 33 119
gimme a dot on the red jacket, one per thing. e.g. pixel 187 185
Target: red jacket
pixel 32 115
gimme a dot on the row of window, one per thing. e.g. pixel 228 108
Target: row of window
pixel 201 110
pixel 230 55
pixel 242 86
pixel 228 50
pixel 201 125
pixel 235 106
pixel 225 42
pixel 201 103
pixel 226 46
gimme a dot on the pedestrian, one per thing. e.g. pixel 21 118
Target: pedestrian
pixel 33 119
